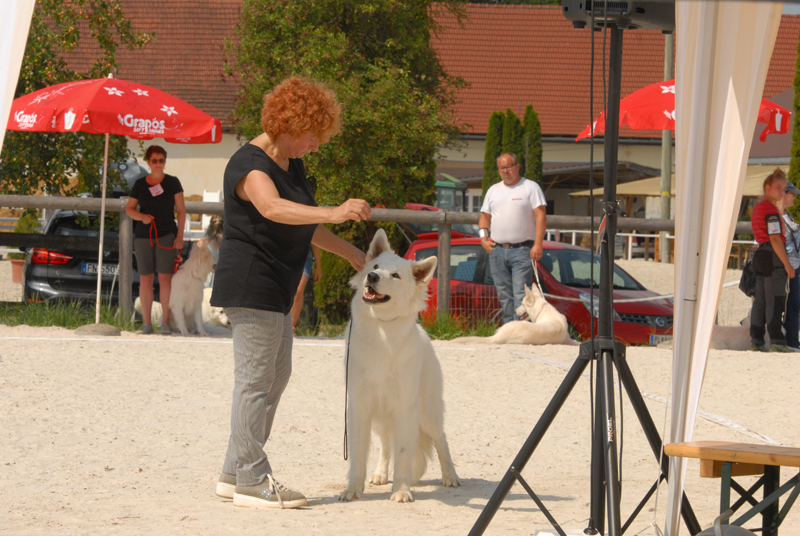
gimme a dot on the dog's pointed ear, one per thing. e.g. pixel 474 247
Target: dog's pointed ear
pixel 378 245
pixel 423 270
pixel 527 291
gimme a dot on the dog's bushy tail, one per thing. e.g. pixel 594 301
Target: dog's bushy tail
pixel 424 451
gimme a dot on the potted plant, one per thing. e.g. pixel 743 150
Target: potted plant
pixel 26 225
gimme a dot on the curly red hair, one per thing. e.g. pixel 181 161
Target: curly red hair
pixel 297 106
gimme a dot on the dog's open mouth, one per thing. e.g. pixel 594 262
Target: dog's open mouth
pixel 370 296
pixel 523 317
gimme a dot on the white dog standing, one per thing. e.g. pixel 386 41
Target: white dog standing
pixel 542 324
pixel 394 380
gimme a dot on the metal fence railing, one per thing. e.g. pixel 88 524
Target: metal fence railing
pixel 444 219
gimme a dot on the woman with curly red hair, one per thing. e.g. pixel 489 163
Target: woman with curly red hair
pixel 271 220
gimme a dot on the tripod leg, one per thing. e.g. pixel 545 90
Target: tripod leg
pixel 651 432
pixel 598 479
pixel 606 367
pixel 530 444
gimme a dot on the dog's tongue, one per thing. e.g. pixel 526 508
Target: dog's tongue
pixel 524 316
pixel 372 295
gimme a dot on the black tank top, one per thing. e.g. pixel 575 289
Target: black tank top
pixel 261 261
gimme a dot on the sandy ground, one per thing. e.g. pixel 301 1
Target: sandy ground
pixel 127 435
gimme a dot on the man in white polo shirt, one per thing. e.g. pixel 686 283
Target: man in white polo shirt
pixel 512 225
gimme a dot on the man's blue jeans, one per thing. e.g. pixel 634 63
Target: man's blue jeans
pixel 791 321
pixel 511 271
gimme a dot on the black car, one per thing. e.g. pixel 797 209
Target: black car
pixel 52 274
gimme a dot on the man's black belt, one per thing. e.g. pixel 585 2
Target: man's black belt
pixel 526 244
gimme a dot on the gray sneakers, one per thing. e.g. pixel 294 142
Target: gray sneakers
pixel 165 329
pixel 268 494
pixel 146 329
pixel 226 485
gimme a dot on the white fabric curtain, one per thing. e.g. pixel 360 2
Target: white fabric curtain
pixel 723 52
pixel 15 21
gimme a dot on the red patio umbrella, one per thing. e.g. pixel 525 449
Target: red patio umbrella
pixel 653 108
pixel 112 106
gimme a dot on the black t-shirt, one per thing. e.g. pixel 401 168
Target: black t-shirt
pixel 261 262
pixel 159 202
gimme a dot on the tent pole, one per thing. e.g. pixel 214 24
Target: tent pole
pixel 666 151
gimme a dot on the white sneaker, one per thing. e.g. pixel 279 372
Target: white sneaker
pixel 226 485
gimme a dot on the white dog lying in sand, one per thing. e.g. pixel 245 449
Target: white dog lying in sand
pixel 729 337
pixel 394 380
pixel 541 324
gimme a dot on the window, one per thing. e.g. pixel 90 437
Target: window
pixel 463 261
pixel 573 269
pixel 476 203
pixel 70 226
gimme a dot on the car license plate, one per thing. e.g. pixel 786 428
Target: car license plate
pixel 91 268
pixel 656 339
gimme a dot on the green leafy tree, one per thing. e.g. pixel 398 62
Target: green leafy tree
pixel 376 55
pixel 519 2
pixel 513 135
pixel 794 165
pixel 494 148
pixel 68 163
pixel 532 144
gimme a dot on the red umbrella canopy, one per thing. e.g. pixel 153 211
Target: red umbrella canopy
pixel 113 106
pixel 653 108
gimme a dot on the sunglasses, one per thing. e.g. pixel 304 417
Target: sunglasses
pixel 157 160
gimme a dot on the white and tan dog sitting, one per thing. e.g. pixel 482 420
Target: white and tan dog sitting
pixel 541 324
pixel 188 283
pixel 394 380
pixel 215 321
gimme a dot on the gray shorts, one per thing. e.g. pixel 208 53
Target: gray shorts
pixel 154 259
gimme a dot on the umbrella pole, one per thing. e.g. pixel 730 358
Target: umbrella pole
pixel 102 233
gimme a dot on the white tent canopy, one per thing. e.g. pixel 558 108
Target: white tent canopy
pixel 723 52
pixel 753 184
pixel 15 21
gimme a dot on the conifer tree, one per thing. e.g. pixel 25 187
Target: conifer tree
pixel 794 165
pixel 532 143
pixel 494 148
pixel 513 135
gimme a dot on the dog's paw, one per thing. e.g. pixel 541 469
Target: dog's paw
pixel 451 481
pixel 379 479
pixel 402 496
pixel 350 495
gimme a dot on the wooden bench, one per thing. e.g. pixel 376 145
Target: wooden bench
pixel 719 459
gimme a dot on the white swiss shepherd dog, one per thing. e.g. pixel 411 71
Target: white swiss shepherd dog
pixel 540 323
pixel 394 379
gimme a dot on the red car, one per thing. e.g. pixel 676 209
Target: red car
pixel 564 270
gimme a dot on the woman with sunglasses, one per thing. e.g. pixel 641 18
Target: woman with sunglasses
pixel 157 239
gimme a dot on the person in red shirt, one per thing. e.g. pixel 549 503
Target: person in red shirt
pixel 772 267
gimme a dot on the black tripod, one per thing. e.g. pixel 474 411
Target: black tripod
pixel 605 484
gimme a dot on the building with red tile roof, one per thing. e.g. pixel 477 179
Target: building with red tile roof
pixel 511 56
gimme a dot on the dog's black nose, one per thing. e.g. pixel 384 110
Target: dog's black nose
pixel 372 278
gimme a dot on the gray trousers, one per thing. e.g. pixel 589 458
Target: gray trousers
pixel 769 304
pixel 262 355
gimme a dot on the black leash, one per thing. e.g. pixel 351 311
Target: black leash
pixel 346 374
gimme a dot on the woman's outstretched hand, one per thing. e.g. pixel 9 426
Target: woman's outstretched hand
pixel 352 209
